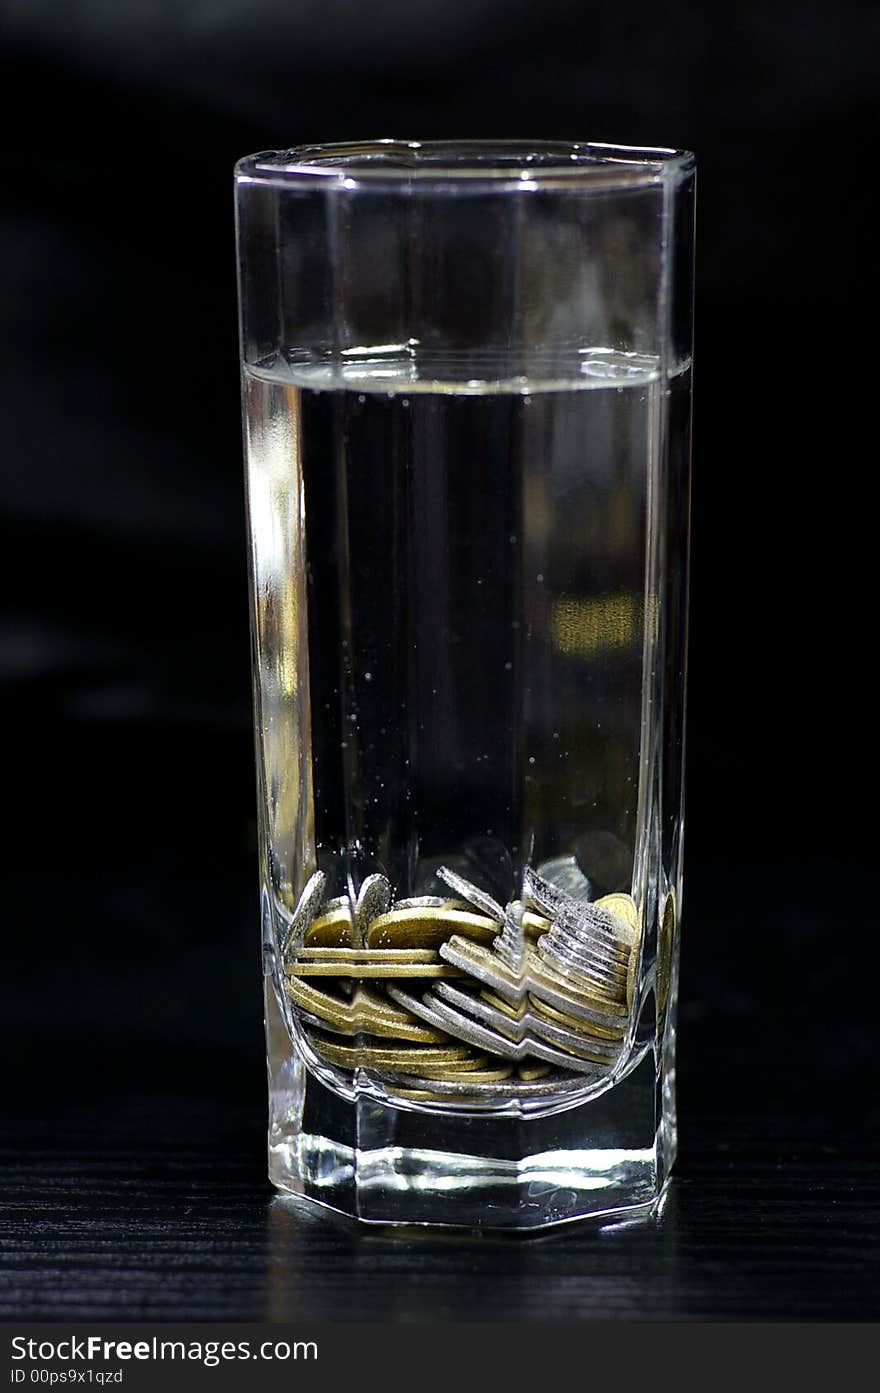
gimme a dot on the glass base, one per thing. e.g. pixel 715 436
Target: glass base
pixel 384 1164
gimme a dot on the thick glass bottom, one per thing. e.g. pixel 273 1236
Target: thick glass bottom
pixel 384 1164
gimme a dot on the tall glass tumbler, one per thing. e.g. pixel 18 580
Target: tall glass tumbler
pixel 467 409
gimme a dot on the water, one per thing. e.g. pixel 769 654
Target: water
pixel 461 645
pixel 467 629
pixel 476 558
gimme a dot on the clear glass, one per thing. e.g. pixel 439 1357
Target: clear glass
pixel 466 380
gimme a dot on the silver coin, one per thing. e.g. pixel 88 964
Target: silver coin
pixel 338 902
pixel 464 1028
pixel 453 1089
pixel 565 873
pixel 472 893
pixel 527 1025
pixel 308 905
pixel 577 949
pixel 374 899
pixel 536 978
pixel 590 922
pixel 581 965
pixel 510 945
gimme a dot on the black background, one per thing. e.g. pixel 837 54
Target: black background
pixel 131 988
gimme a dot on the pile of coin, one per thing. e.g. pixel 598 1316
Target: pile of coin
pixel 461 998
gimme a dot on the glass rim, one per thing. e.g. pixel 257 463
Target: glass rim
pixel 505 163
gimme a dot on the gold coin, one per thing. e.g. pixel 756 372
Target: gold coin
pixel 476 1076
pixel 622 907
pixel 534 924
pixel 428 927
pixel 529 1071
pixel 367 955
pixel 419 1095
pixel 366 1010
pixel 333 930
pixel 480 1069
pixel 515 1013
pixel 368 970
pixel 409 1059
pixel 664 951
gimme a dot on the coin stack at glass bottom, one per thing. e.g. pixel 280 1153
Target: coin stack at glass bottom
pixel 458 998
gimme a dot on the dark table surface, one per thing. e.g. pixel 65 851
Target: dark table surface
pixel 161 1212
pixel 133 1162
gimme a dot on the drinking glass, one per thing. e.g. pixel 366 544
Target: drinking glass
pixel 467 383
